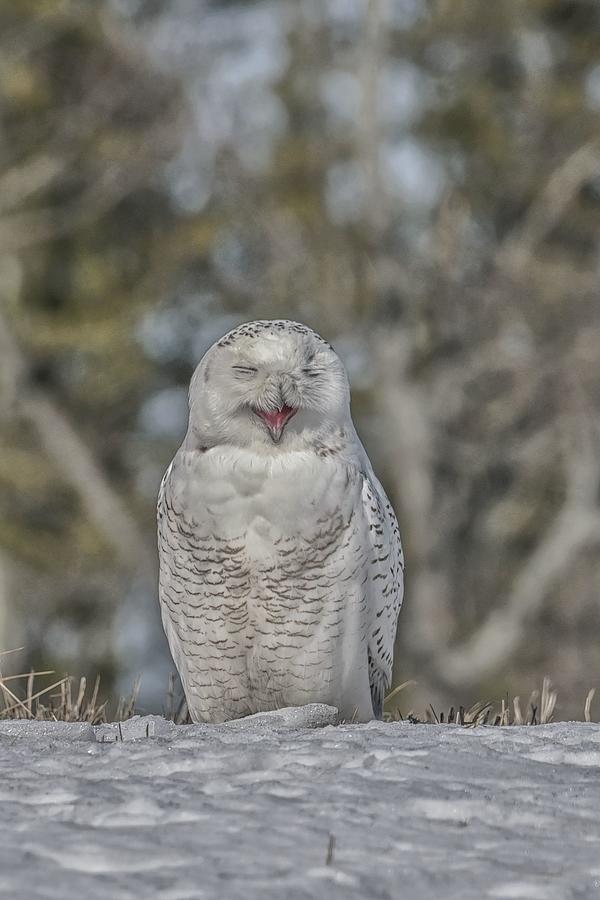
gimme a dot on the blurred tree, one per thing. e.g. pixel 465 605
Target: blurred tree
pixel 419 181
pixel 86 127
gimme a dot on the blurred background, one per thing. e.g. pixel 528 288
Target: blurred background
pixel 418 180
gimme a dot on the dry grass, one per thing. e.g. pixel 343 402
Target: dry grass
pixel 64 700
pixel 70 700
pixel 538 711
pixel 176 709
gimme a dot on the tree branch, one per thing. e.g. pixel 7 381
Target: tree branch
pixel 575 528
pixel 547 209
pixel 68 451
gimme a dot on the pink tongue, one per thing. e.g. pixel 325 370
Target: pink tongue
pixel 278 417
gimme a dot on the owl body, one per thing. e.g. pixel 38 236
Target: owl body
pixel 280 562
pixel 278 619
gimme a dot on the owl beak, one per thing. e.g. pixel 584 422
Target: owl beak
pixel 276 420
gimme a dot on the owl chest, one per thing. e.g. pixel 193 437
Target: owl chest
pixel 271 507
pixel 274 540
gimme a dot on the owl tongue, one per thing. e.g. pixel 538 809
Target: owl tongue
pixel 276 420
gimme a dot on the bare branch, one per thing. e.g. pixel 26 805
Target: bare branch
pixel 575 528
pixel 65 447
pixel 26 229
pixel 21 181
pixel 368 129
pixel 504 629
pixel 547 209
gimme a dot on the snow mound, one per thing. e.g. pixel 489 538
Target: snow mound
pixel 45 732
pixel 287 804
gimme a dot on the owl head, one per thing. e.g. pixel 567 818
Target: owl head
pixel 270 383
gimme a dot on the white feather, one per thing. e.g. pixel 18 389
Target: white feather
pixel 280 564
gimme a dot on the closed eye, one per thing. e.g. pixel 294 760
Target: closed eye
pixel 312 373
pixel 245 370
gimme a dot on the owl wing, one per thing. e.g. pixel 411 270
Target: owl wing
pixel 168 545
pixel 177 579
pixel 384 585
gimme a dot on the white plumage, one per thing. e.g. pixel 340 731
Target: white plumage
pixel 281 571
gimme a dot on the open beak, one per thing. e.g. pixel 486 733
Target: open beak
pixel 276 420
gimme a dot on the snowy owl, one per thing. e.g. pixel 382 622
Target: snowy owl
pixel 281 569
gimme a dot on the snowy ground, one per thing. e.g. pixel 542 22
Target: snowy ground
pixel 247 809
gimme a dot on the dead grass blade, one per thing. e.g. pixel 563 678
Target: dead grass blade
pixel 126 706
pixel 176 709
pixel 396 691
pixel 547 702
pixel 518 715
pixel 540 711
pixel 25 707
pixel 587 709
pixel 63 705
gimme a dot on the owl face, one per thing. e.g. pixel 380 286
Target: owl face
pixel 269 383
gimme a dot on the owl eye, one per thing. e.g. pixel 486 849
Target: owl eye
pixel 245 370
pixel 312 373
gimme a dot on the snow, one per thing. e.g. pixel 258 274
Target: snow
pixel 254 808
